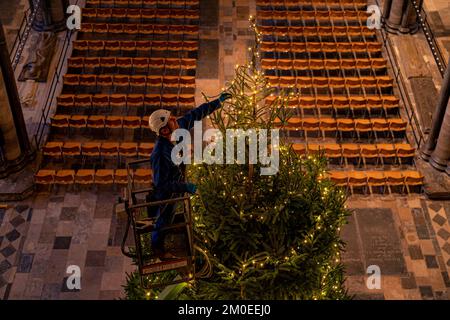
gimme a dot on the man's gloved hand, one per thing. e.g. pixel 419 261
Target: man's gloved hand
pixel 225 96
pixel 191 188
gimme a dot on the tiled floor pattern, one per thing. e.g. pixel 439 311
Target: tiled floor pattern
pixel 65 229
pixel 408 238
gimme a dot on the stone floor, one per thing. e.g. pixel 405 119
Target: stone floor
pixel 41 237
pixel 407 237
pixel 438 12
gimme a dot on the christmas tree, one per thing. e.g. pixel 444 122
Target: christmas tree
pixel 265 236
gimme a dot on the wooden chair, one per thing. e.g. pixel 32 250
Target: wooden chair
pixel 135 101
pixel 376 179
pixel 394 179
pixel 53 150
pixel 45 177
pixel 397 127
pixel 121 177
pixel 357 179
pixel 90 149
pixel 100 101
pixel 387 152
pixel 87 80
pixel 83 101
pixel 66 100
pixel 327 125
pixel 71 149
pixel 299 148
pixel 104 177
pixel 78 122
pixel 413 179
pixel 345 126
pixel 132 123
pixel 333 151
pixel 142 176
pixel 405 152
pixel 118 100
pixel 128 150
pixel 113 122
pixel 339 178
pixel 109 149
pixel 313 149
pixel 369 152
pixel 351 151
pixel 380 126
pixel 85 177
pixel 60 121
pixel 145 150
pixel 363 126
pixel 65 177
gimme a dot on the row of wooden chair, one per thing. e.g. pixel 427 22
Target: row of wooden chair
pixel 126 81
pixel 323 64
pixel 371 179
pixel 60 149
pixel 99 122
pixel 124 100
pixel 300 47
pixel 142 3
pixel 317 31
pixel 295 15
pixel 330 82
pixel 296 3
pixel 388 101
pixel 396 152
pixel 145 47
pixel 90 177
pixel 137 64
pixel 138 29
pixel 139 14
pixel 324 124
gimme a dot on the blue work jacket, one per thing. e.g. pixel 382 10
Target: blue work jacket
pixel 167 176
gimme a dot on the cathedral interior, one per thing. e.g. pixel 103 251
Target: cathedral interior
pixel 77 88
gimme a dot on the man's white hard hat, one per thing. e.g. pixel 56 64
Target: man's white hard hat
pixel 158 119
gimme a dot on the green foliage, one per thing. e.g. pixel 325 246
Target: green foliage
pixel 278 241
pixel 266 237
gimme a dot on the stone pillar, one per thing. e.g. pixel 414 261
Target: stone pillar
pixel 15 148
pixel 400 16
pixel 409 19
pixel 386 8
pixel 441 154
pixel 438 116
pixel 51 15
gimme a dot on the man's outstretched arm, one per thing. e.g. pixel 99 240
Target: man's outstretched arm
pixel 187 121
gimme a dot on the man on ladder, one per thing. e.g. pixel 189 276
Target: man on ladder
pixel 168 178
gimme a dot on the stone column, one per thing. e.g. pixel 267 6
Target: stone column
pixel 51 15
pixel 386 9
pixel 409 19
pixel 400 16
pixel 438 116
pixel 14 144
pixel 441 154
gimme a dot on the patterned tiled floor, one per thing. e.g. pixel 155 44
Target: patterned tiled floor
pixel 41 239
pixel 408 238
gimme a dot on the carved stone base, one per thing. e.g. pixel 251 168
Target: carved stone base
pixel 436 184
pixel 40 57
